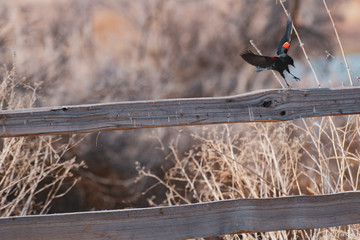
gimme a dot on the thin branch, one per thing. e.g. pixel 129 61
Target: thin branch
pixel 302 46
pixel 338 38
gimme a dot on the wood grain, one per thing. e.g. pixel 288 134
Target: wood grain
pixel 268 105
pixel 190 221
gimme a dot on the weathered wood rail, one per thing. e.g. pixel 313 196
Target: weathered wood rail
pixel 190 221
pixel 194 220
pixel 266 105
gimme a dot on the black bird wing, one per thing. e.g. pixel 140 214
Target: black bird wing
pixel 284 44
pixel 258 60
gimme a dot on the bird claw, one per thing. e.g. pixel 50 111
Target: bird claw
pixel 296 79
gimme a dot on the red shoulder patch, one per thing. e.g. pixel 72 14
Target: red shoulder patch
pixel 274 58
pixel 286 45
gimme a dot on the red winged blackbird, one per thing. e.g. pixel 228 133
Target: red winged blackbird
pixel 279 63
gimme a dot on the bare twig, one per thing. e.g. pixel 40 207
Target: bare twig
pixel 338 38
pixel 302 46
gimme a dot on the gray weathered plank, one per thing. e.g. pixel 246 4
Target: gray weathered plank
pixel 268 105
pixel 189 221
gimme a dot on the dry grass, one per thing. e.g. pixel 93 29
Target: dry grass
pixel 313 156
pixel 32 169
pixel 309 156
pixel 97 51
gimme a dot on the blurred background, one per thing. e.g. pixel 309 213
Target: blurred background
pixel 92 51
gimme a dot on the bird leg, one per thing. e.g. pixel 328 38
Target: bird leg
pixel 285 80
pixel 287 83
pixel 296 78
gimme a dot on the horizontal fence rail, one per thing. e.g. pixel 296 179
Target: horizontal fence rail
pixel 190 221
pixel 193 220
pixel 265 105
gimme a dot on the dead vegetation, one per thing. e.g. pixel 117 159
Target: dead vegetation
pixel 313 156
pixel 33 171
pixel 98 51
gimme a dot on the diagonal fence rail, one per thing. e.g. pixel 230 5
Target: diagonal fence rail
pixel 266 105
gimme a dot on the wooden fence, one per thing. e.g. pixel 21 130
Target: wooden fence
pixel 190 221
pixel 265 105
pixel 194 220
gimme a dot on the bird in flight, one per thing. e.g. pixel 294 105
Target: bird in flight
pixel 279 63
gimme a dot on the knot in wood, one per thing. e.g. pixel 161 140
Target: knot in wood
pixel 267 103
pixel 271 102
